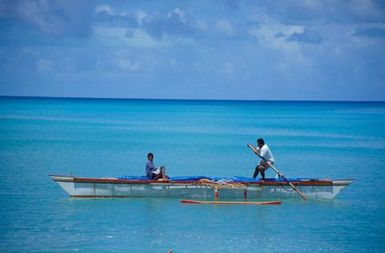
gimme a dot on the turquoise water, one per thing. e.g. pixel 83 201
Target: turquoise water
pixel 104 138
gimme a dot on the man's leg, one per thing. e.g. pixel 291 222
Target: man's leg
pixel 262 169
pixel 263 174
pixel 256 172
pixel 156 176
pixel 163 172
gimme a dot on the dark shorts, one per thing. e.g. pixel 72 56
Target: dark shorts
pixel 154 176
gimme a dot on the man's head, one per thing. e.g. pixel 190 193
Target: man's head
pixel 260 142
pixel 150 156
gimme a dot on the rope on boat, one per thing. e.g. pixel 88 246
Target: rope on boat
pixel 220 184
pixel 229 184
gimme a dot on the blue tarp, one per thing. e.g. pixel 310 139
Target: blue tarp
pixel 188 178
pixel 133 178
pixel 224 179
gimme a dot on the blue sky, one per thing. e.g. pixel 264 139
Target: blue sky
pixel 269 50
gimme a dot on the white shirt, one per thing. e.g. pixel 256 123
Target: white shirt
pixel 265 153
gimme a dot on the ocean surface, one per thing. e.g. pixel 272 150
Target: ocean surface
pixel 111 138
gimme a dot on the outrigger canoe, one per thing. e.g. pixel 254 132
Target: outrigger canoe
pixel 199 187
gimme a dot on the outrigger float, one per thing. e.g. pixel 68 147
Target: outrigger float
pixel 205 188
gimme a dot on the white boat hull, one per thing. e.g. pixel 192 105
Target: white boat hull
pixel 112 187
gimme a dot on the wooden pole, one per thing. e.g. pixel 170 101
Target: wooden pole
pixel 277 171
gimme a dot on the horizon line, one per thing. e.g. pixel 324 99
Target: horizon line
pixel 188 99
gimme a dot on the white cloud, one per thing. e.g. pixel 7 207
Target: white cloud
pixel 104 8
pixel 225 27
pixel 177 13
pixel 291 53
pixel 128 65
pixel 259 16
pixel 123 37
pixel 57 18
pixel 38 13
pixel 364 10
pixel 267 32
pixel 142 17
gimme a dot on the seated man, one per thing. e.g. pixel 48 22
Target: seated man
pixel 152 172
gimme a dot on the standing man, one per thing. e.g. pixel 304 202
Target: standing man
pixel 264 151
pixel 152 172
